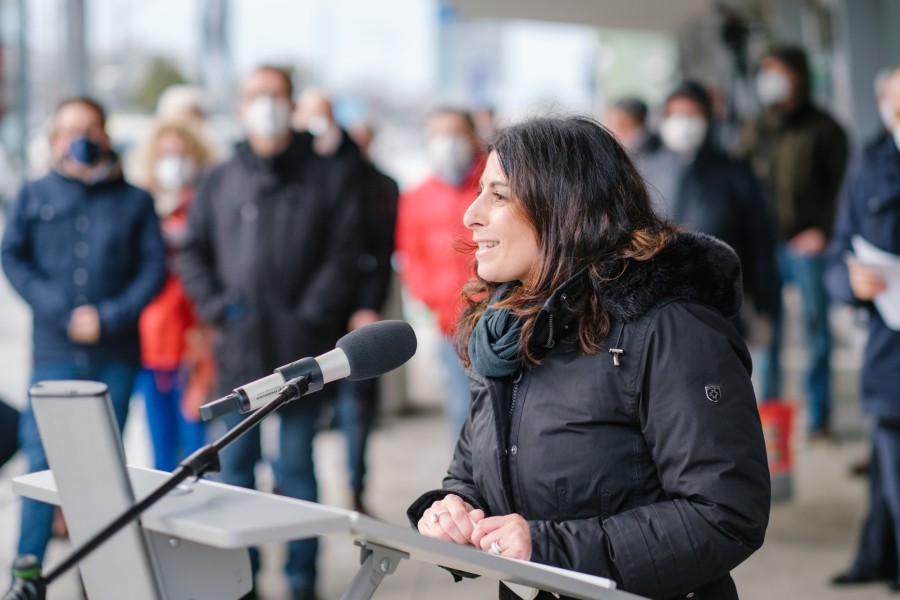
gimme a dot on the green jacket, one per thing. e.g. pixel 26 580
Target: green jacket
pixel 799 157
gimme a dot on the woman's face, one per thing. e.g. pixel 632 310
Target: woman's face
pixel 507 244
pixel 171 143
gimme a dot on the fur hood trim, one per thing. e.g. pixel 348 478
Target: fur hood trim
pixel 694 266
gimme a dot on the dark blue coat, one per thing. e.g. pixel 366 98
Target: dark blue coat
pixel 68 243
pixel 871 209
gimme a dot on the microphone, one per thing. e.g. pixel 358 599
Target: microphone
pixel 364 353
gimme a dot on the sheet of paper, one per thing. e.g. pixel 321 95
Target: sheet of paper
pixel 522 591
pixel 888 266
pixel 528 593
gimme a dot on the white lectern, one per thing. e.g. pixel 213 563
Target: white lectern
pixel 192 543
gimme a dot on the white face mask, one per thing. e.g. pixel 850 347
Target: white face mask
pixel 451 157
pixel 683 133
pixel 174 172
pixel 896 133
pixel 772 87
pixel 326 133
pixel 267 117
pixel 886 112
pixel 318 125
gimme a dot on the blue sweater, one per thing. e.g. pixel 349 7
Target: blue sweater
pixel 871 209
pixel 67 244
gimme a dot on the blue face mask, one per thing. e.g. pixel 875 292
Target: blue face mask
pixel 85 151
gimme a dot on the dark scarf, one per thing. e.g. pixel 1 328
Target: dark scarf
pixel 494 343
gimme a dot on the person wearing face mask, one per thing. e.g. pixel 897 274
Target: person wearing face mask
pixel 627 120
pixel 429 223
pixel 871 210
pixel 270 261
pixel 799 153
pixel 314 113
pixel 357 401
pixel 175 354
pixel 83 248
pixel 698 186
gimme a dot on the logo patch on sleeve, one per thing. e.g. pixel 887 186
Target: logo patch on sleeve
pixel 713 393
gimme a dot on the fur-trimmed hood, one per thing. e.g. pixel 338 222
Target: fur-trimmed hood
pixel 694 266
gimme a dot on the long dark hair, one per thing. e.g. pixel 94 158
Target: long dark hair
pixel 589 207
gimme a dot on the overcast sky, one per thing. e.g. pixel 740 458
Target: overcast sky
pixel 345 43
pixel 389 39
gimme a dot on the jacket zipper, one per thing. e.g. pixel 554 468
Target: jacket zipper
pixel 512 404
pixel 550 343
pixel 510 446
pixel 517 378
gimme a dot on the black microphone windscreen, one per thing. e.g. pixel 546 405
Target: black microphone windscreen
pixel 378 348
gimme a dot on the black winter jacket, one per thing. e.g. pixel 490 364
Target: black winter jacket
pixel 378 195
pixel 720 196
pixel 270 258
pixel 652 473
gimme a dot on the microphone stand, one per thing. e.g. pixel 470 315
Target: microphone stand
pixel 31 585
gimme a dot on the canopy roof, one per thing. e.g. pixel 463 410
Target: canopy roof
pixel 660 15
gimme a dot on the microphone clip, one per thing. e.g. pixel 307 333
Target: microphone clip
pixel 298 386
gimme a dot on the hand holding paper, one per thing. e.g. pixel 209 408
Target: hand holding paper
pixel 878 277
pixel 866 282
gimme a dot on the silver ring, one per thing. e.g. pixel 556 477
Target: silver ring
pixel 433 518
pixel 495 549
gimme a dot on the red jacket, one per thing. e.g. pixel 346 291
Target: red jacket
pixel 429 222
pixel 165 321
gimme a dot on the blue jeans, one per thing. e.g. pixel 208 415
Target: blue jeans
pixel 355 408
pixel 295 476
pixel 37 517
pixel 457 393
pixel 173 436
pixel 807 273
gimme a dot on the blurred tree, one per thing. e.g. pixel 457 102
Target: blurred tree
pixel 160 73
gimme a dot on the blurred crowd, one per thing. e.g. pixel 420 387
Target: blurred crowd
pixel 799 209
pixel 185 268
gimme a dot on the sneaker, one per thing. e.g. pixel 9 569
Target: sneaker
pixel 820 435
pixel 854 577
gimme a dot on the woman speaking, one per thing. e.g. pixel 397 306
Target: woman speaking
pixel 613 428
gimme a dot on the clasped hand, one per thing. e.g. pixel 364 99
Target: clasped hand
pixel 84 325
pixel 454 520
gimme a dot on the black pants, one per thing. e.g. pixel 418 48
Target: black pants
pixel 876 556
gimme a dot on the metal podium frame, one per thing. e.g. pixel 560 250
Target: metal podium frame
pixel 91 483
pixel 198 535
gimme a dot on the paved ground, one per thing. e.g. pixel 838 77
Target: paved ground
pixel 810 537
